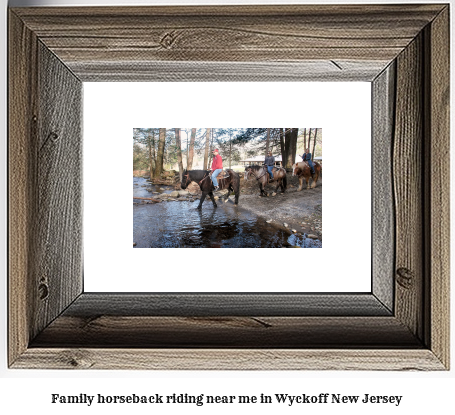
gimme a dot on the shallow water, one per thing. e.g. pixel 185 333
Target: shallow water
pixel 180 225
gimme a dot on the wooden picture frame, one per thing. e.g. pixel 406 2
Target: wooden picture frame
pixel 403 324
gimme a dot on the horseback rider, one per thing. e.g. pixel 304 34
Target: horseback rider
pixel 217 166
pixel 270 162
pixel 307 157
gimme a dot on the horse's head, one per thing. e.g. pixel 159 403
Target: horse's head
pixel 293 168
pixel 297 168
pixel 185 179
pixel 247 173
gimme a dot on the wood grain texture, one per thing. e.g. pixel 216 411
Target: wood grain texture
pixel 407 174
pixel 89 305
pixel 309 71
pixel 383 215
pixel 235 359
pixel 439 191
pixel 231 34
pixel 58 204
pixel 45 187
pixel 22 95
pixel 257 332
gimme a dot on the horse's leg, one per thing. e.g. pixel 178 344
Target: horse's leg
pixel 300 184
pixel 236 189
pixel 204 194
pixel 307 178
pixel 213 199
pixel 315 178
pixel 278 184
pixel 229 188
pixel 261 186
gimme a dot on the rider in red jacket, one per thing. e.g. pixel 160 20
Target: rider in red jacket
pixel 217 166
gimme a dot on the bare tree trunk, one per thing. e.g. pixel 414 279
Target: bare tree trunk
pixel 268 142
pixel 151 146
pixel 283 148
pixel 179 152
pixel 293 145
pixel 314 145
pixel 290 144
pixel 207 145
pixel 212 136
pixel 304 139
pixel 230 147
pixel 287 142
pixel 189 164
pixel 160 155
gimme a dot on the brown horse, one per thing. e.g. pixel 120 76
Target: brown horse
pixel 261 174
pixel 303 171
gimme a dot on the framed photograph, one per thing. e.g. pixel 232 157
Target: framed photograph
pixel 401 323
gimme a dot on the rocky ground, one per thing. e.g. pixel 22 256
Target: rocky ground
pixel 300 212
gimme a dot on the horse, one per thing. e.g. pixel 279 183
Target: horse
pixel 303 171
pixel 202 177
pixel 262 176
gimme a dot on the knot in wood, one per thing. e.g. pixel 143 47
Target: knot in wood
pixel 405 278
pixel 43 291
pixel 76 359
pixel 53 137
pixel 168 40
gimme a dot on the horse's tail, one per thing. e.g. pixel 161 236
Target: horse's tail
pixel 285 181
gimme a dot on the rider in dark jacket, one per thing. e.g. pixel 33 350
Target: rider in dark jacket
pixel 270 162
pixel 307 157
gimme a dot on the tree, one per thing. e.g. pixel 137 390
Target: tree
pixel 152 160
pixel 207 145
pixel 144 139
pixel 268 141
pixel 304 137
pixel 290 146
pixel 228 147
pixel 189 163
pixel 160 155
pixel 314 145
pixel 139 157
pixel 179 152
pixel 282 147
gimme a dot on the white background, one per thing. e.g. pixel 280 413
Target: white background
pixel 29 391
pixel 111 110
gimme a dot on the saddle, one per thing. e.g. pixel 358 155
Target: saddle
pixel 223 175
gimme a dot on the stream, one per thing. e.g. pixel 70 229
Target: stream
pixel 178 224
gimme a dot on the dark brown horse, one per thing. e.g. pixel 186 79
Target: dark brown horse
pixel 303 171
pixel 202 177
pixel 261 174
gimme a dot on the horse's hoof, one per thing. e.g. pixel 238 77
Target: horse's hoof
pixel 215 206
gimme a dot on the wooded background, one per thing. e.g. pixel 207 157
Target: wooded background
pixel 159 149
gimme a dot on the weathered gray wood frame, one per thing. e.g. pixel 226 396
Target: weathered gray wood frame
pixel 403 324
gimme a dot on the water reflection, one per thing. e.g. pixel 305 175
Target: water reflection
pixel 179 224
